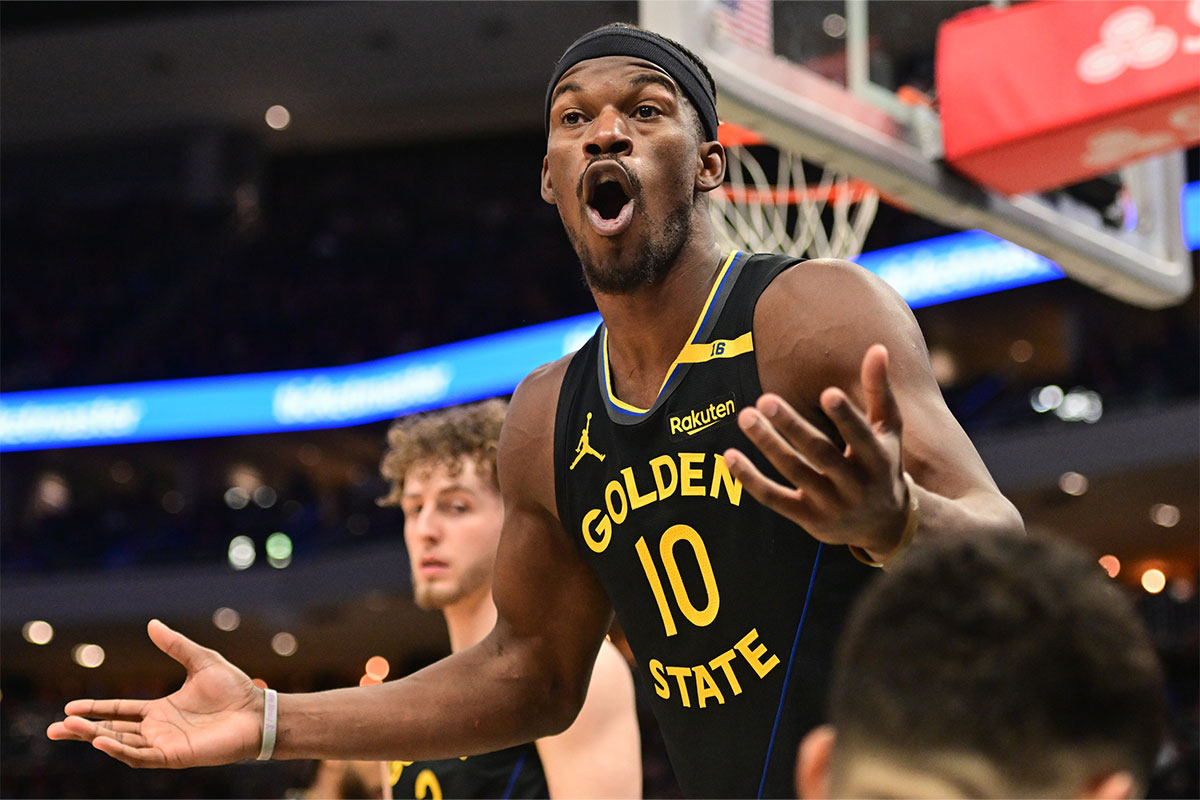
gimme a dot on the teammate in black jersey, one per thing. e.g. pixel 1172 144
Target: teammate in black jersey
pixel 836 425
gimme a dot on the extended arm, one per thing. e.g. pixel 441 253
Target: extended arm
pixel 524 680
pixel 600 755
pixel 850 404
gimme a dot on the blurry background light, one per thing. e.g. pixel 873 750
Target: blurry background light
pixel 1021 351
pixel 241 552
pixel 264 497
pixel 1046 398
pixel 88 655
pixel 279 550
pixel 284 644
pixel 1181 590
pixel 1111 564
pixel 378 667
pixel 236 497
pixel 226 619
pixel 1153 581
pixel 37 631
pixel 121 472
pixel 1164 514
pixel 834 25
pixel 1073 483
pixel 1080 405
pixel 278 117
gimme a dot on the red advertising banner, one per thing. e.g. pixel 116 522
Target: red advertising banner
pixel 1052 92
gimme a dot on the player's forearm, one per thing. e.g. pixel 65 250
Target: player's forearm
pixel 482 699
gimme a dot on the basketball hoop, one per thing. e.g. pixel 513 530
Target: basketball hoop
pixel 824 214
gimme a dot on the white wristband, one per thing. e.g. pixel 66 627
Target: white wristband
pixel 270 718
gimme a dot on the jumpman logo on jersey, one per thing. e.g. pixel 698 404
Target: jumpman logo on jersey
pixel 584 448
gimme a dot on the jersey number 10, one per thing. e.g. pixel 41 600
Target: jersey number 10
pixel 674 535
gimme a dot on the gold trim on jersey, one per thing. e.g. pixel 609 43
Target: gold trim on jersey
pixel 692 353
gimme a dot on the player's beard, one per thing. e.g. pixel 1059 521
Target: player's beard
pixel 436 595
pixel 652 260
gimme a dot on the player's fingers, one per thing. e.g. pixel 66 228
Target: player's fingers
pixel 133 756
pixel 780 453
pixel 882 410
pixel 856 431
pixel 179 647
pixel 107 709
pixel 81 728
pixel 810 442
pixel 121 731
pixel 60 733
pixel 783 500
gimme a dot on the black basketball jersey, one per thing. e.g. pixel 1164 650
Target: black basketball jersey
pixel 730 609
pixel 514 772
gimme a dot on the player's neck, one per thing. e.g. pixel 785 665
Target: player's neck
pixel 648 328
pixel 470 619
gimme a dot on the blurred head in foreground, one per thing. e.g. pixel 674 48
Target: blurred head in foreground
pixel 1000 667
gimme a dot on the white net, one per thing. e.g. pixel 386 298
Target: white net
pixel 826 217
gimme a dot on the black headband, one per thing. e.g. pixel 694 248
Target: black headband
pixel 648 46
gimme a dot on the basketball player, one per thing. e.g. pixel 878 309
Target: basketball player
pixel 442 469
pixel 990 668
pixel 759 419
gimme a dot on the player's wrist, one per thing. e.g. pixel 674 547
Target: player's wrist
pixel 270 724
pixel 890 554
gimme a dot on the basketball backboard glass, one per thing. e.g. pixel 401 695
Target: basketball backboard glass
pixel 848 84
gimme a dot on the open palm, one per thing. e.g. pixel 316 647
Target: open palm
pixel 214 718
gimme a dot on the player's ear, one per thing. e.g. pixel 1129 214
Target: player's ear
pixel 547 186
pixel 812 762
pixel 710 163
pixel 1114 786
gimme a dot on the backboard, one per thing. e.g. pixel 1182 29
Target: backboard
pixel 845 83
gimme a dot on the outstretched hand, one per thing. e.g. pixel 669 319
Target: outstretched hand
pixel 214 718
pixel 852 495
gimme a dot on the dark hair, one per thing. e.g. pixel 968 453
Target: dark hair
pixel 444 437
pixel 1022 651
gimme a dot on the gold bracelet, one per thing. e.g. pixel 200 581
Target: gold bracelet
pixel 906 538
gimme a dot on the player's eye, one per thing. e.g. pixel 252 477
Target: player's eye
pixel 572 118
pixel 646 112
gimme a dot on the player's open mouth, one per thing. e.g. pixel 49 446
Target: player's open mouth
pixel 608 198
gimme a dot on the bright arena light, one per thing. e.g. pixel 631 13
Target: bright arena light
pixel 226 619
pixel 1164 514
pixel 1073 483
pixel 37 631
pixel 1153 581
pixel 241 552
pixel 278 117
pixel 279 550
pixel 378 667
pixel 1111 564
pixel 1046 398
pixel 88 655
pixel 283 644
pixel 1080 405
